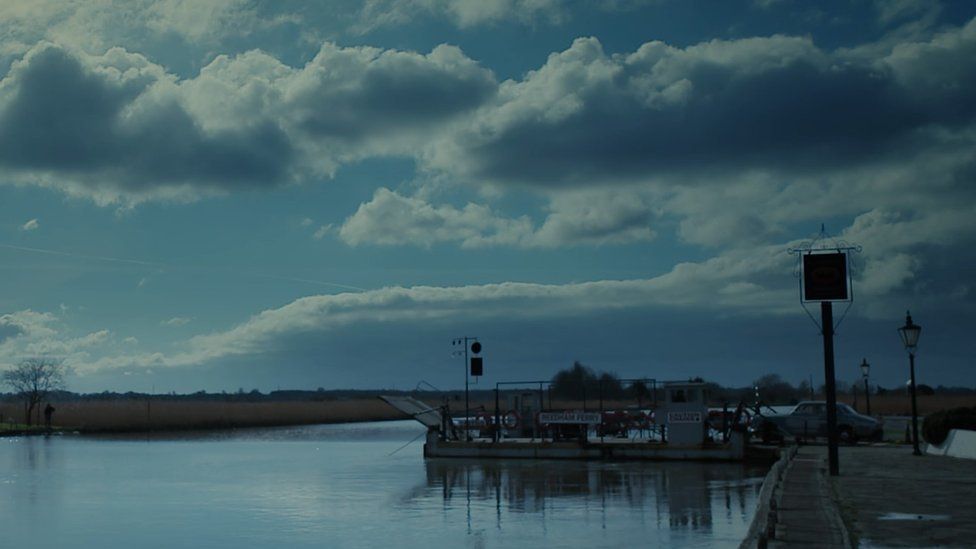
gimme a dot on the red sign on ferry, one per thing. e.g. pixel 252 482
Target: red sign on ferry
pixel 569 417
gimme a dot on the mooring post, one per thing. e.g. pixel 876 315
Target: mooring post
pixel 542 407
pixel 725 421
pixel 602 427
pixel 497 428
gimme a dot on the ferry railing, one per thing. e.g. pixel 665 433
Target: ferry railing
pixel 497 427
pixel 644 381
pixel 641 387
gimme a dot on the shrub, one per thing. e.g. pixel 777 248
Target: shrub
pixel 936 427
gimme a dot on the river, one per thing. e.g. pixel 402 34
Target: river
pixel 351 485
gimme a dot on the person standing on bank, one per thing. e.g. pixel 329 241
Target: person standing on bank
pixel 48 412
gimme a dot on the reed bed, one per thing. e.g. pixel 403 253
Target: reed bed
pixel 160 414
pixel 901 405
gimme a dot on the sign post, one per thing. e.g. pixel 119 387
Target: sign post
pixel 827 318
pixel 826 278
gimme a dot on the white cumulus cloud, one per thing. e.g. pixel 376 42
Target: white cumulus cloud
pixel 581 218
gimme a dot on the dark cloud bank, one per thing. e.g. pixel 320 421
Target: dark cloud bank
pixel 120 124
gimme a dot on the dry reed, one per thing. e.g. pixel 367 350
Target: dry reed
pixel 160 414
pixel 167 414
pixel 901 404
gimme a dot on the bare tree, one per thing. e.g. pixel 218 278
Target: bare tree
pixel 33 379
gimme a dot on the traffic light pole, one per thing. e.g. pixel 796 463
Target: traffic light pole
pixel 467 404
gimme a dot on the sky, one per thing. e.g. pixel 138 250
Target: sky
pixel 249 194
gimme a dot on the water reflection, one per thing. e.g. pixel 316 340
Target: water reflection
pixel 31 459
pixel 352 486
pixel 680 496
pixel 36 453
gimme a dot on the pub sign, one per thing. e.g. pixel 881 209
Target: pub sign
pixel 825 277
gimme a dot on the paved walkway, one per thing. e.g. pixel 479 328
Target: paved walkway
pixel 884 497
pixel 891 498
pixel 807 514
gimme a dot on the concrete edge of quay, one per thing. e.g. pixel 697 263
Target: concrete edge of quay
pixel 764 520
pixel 780 520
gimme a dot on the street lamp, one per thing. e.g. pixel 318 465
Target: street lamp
pixel 865 368
pixel 909 336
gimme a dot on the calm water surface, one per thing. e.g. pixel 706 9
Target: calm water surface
pixel 348 486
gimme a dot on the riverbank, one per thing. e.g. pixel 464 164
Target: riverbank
pixel 159 414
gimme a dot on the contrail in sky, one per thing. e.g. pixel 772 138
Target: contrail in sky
pixel 308 281
pixel 83 256
pixel 168 266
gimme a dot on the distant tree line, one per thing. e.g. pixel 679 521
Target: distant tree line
pixel 773 389
pixel 574 383
pixel 580 382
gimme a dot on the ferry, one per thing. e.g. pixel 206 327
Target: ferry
pixel 680 428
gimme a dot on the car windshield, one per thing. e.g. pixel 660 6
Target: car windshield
pixel 820 408
pixel 845 409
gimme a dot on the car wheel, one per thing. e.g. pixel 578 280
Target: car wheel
pixel 846 435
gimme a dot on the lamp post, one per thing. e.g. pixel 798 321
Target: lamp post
pixel 909 336
pixel 865 368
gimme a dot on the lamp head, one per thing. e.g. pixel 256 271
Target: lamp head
pixel 865 367
pixel 909 333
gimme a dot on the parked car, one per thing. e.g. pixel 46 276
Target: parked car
pixel 809 420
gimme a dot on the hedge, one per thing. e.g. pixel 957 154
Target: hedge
pixel 936 427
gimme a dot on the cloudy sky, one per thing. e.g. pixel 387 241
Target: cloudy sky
pixel 223 194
